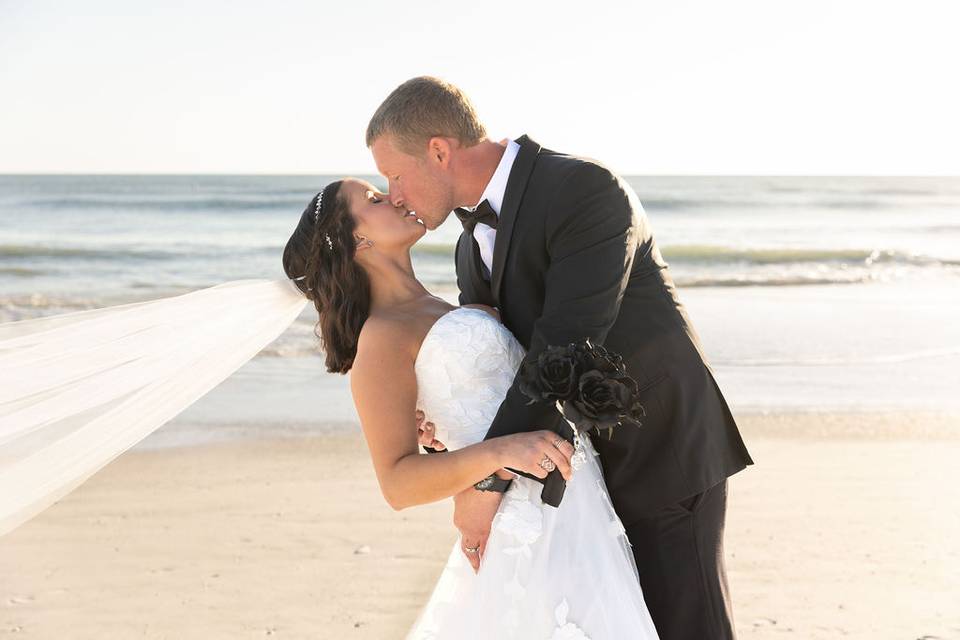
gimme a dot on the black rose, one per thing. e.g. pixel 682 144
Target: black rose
pixel 595 357
pixel 552 377
pixel 603 400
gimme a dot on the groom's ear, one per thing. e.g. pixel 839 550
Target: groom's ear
pixel 438 151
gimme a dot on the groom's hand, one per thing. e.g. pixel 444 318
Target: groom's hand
pixel 473 513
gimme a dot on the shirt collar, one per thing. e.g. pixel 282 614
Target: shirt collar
pixel 497 186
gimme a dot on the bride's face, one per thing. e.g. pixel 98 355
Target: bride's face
pixel 378 220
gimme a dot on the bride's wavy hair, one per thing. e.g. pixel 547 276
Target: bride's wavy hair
pixel 319 258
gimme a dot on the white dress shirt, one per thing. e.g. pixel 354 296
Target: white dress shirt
pixel 486 235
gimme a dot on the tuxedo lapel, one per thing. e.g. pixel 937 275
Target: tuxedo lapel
pixel 516 185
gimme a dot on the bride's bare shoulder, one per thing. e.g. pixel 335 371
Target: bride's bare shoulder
pixel 491 310
pixel 382 377
pixel 382 339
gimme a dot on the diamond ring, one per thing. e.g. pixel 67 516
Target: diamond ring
pixel 547 464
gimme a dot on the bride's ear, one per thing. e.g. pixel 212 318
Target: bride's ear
pixel 362 242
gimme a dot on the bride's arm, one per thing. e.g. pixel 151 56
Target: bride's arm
pixel 384 388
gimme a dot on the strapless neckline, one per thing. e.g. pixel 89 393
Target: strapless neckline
pixel 432 330
pixel 464 369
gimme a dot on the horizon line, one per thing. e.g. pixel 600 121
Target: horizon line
pixel 377 176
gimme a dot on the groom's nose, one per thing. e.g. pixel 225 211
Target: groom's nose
pixel 396 196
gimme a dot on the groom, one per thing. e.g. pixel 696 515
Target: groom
pixel 561 247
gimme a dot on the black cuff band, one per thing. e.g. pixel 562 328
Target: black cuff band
pixel 493 482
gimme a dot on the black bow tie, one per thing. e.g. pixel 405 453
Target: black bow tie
pixel 483 213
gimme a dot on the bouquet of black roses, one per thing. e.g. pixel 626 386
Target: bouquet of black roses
pixel 590 383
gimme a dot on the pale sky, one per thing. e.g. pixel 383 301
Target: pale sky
pixel 670 87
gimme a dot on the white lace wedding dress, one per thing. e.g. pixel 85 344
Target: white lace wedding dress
pixel 547 573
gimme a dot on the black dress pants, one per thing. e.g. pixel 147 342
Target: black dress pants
pixel 679 553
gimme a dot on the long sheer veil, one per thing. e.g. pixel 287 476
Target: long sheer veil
pixel 79 389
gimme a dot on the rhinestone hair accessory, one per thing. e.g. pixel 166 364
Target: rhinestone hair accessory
pixel 316 217
pixel 316 212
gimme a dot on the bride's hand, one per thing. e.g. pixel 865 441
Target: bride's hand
pixel 426 432
pixel 526 451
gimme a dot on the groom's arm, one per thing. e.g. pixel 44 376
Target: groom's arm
pixel 592 237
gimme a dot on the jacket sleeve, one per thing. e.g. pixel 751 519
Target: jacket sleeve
pixel 591 232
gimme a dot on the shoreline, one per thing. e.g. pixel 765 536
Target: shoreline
pixel 826 537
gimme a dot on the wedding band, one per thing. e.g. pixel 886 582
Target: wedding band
pixel 547 464
pixel 558 442
pixel 472 549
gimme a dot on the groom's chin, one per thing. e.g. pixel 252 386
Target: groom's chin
pixel 433 224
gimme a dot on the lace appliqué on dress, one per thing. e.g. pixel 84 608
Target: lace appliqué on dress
pixel 466 364
pixel 521 518
pixel 566 630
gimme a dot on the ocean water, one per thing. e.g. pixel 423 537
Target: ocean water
pixel 809 293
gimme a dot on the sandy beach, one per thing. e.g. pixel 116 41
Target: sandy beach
pixel 846 528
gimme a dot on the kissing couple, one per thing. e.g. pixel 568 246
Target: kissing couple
pixel 565 532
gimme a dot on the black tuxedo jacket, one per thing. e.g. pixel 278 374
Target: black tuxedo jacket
pixel 574 258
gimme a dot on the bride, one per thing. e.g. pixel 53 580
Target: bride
pixel 546 572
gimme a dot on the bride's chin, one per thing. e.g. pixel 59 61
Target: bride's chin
pixel 422 231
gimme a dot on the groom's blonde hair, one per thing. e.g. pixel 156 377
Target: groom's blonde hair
pixel 422 108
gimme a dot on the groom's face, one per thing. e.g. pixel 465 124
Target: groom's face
pixel 421 184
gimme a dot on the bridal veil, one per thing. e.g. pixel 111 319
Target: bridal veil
pixel 79 389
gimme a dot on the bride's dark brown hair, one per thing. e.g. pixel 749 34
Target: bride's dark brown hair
pixel 319 258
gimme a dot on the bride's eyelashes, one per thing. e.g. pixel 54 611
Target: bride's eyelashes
pixel 374 197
